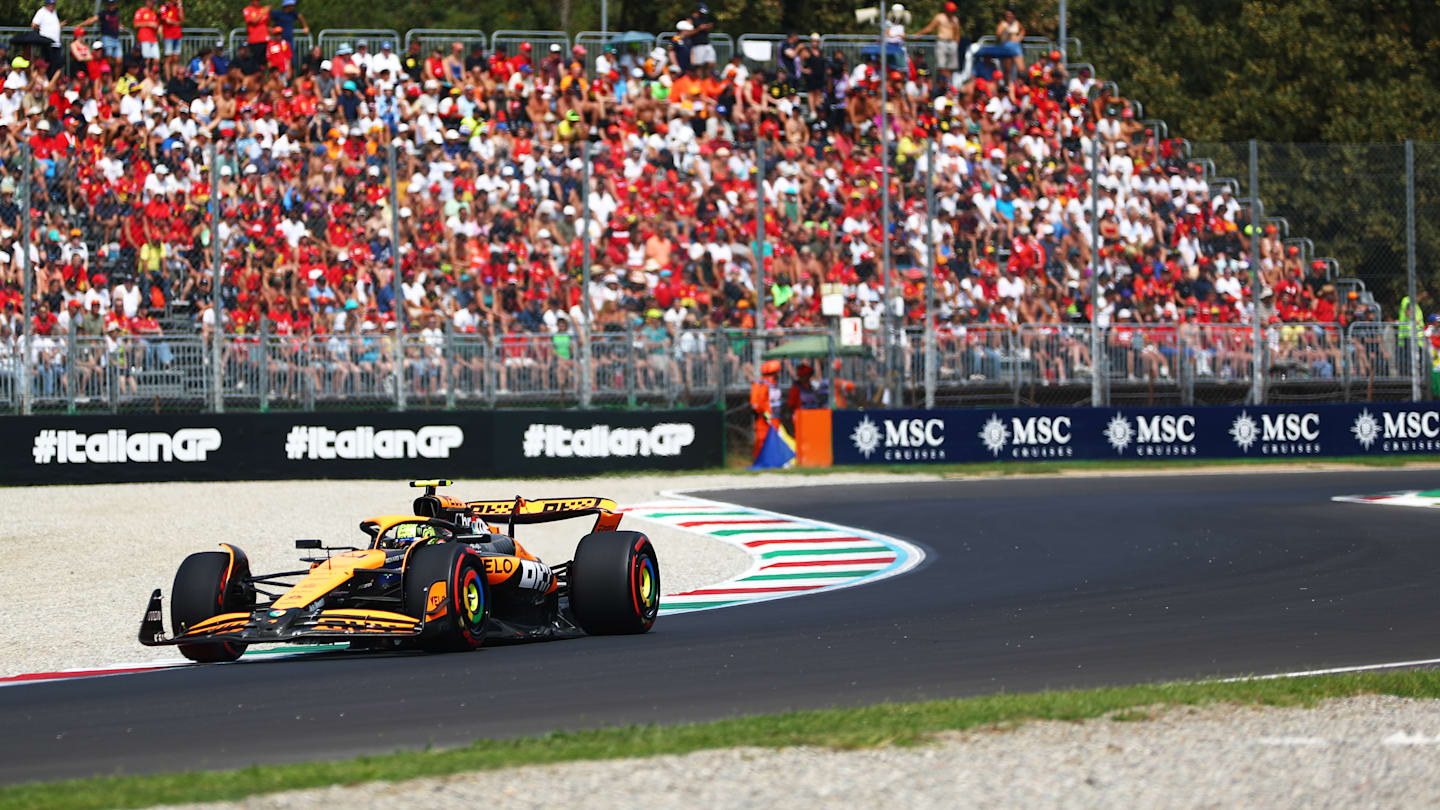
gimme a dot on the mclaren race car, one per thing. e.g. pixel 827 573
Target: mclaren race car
pixel 439 579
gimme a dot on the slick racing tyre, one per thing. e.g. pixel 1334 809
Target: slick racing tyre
pixel 207 584
pixel 445 584
pixel 615 583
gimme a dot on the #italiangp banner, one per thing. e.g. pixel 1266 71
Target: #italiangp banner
pixel 1043 434
pixel 45 449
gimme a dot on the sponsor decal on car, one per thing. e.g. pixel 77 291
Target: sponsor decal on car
pixel 311 442
pixel 120 446
pixel 603 441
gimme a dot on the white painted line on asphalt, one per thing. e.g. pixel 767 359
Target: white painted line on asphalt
pixel 1334 671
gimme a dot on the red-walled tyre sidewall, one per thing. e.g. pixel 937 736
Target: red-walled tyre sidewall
pixel 200 591
pixel 462 627
pixel 615 583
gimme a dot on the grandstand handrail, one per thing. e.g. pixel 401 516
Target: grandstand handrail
pixel 463 34
pixel 371 36
pixel 600 39
pixel 772 38
pixel 531 36
pixel 1281 223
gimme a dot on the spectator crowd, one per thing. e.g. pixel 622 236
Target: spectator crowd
pixel 491 146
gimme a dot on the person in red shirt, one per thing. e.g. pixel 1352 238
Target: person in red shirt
pixel 172 14
pixel 257 33
pixel 147 31
pixel 277 51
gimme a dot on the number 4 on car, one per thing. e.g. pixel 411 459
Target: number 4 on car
pixel 441 578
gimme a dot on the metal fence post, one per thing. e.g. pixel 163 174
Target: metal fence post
pixel 307 379
pixel 886 316
pixel 71 355
pixel 217 355
pixel 397 291
pixel 1097 353
pixel 27 331
pixel 759 253
pixel 718 347
pixel 264 363
pixel 496 372
pixel 630 368
pixel 1413 324
pixel 931 264
pixel 587 366
pixel 447 359
pixel 1257 381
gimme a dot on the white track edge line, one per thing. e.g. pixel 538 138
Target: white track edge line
pixel 1332 671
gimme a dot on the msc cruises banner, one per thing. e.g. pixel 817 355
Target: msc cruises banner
pixel 1040 434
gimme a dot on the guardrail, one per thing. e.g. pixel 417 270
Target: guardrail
pixel 75 373
pixel 726 45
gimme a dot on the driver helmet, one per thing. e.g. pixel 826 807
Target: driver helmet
pixel 404 534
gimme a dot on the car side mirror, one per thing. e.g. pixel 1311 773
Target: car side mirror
pixel 307 544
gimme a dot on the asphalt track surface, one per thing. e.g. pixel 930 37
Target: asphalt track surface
pixel 1029 584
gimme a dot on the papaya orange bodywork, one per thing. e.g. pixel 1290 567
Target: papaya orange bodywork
pixel 435 606
pixel 326 576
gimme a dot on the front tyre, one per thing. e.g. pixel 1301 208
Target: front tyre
pixel 615 583
pixel 445 584
pixel 208 584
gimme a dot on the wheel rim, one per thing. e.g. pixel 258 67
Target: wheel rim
pixel 472 598
pixel 647 586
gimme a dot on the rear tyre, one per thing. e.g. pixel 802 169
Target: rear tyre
pixel 201 590
pixel 455 620
pixel 615 583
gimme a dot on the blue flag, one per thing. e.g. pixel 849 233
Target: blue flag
pixel 778 449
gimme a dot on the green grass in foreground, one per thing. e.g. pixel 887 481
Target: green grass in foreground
pixel 885 724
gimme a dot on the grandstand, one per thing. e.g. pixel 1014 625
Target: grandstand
pixel 490 133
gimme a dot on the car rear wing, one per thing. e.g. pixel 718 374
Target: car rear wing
pixel 544 510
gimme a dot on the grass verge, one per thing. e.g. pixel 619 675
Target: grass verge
pixel 884 724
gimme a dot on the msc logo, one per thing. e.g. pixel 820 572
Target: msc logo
pixel 1278 434
pixel 901 439
pixel 1158 435
pixel 1290 427
pixel 914 433
pixel 1030 437
pixel 1404 432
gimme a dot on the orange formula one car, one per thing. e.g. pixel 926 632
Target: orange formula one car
pixel 438 579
